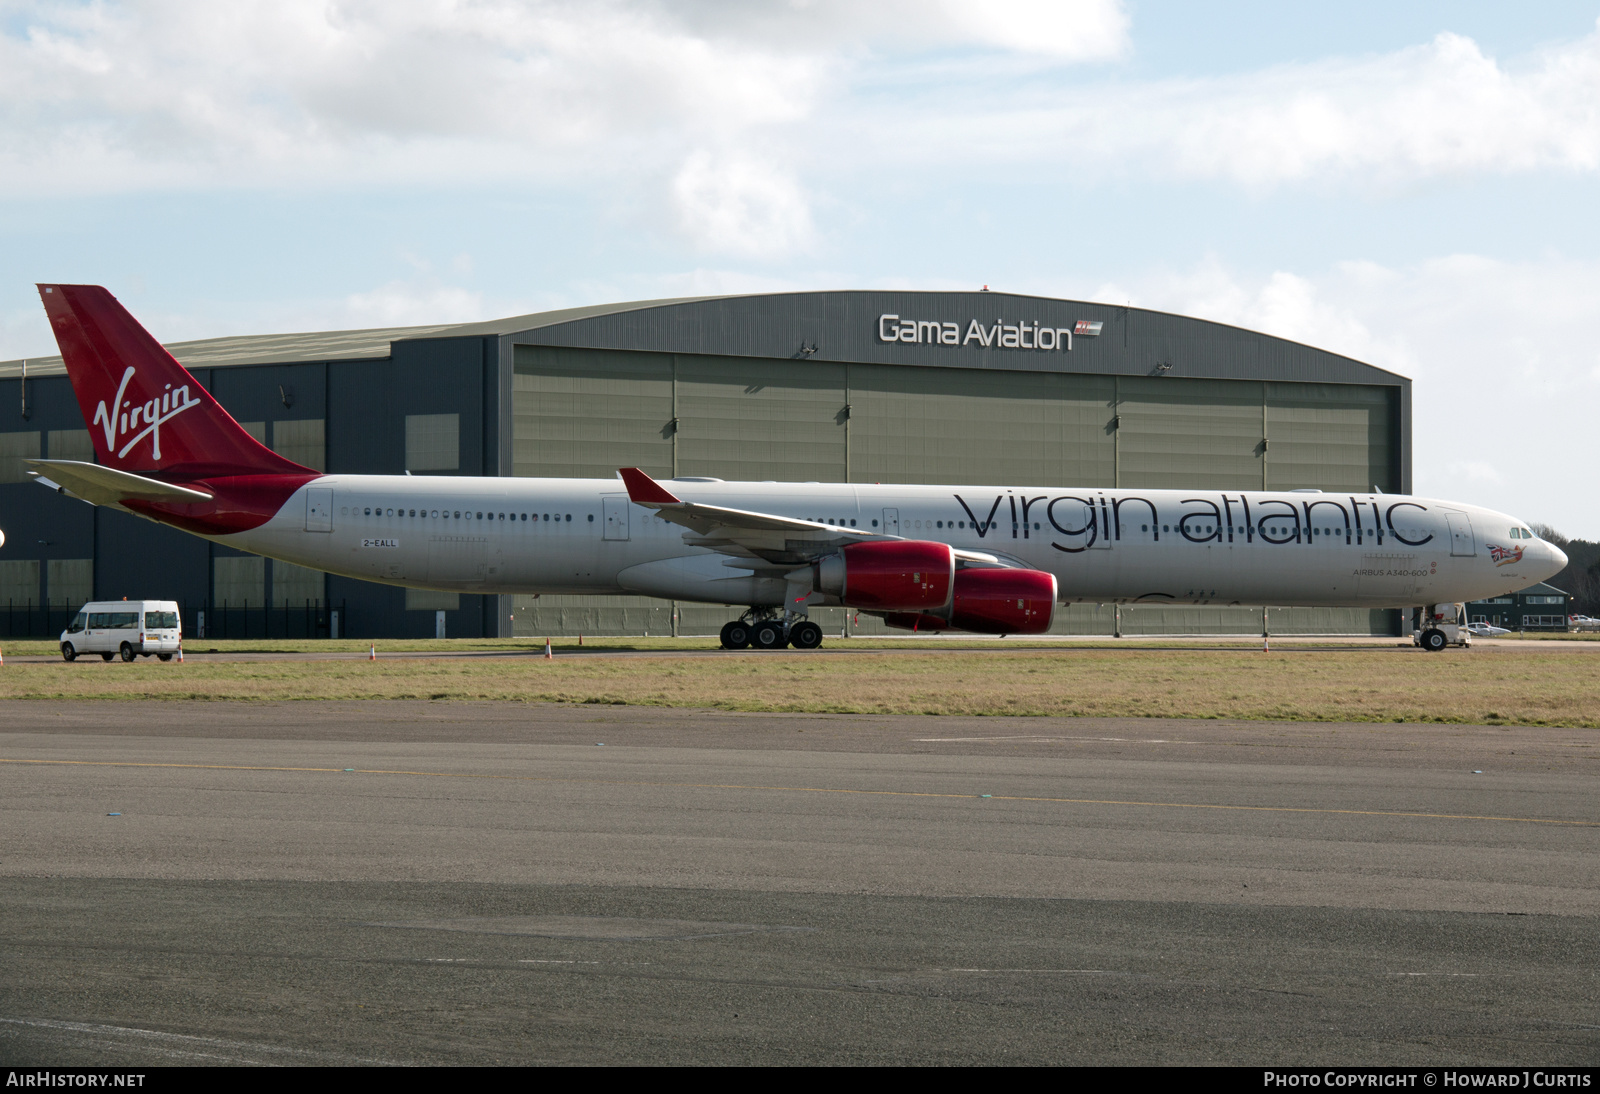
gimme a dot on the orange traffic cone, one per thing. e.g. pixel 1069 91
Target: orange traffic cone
pixel 548 653
pixel 2 657
pixel 372 654
pixel 180 653
pixel 1266 646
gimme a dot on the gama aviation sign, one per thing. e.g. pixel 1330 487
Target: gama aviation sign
pixel 892 328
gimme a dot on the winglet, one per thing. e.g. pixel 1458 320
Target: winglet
pixel 643 490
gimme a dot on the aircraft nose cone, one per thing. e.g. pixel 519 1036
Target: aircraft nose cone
pixel 1558 559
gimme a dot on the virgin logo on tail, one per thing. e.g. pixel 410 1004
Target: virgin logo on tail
pixel 125 417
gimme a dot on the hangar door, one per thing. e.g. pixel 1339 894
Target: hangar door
pixel 585 413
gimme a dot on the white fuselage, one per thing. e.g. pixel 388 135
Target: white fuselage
pixel 523 535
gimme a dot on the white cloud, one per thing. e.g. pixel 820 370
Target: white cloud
pixel 182 95
pixel 1477 471
pixel 169 92
pixel 176 94
pixel 707 281
pixel 1504 359
pixel 164 92
pixel 740 205
pixel 1071 30
pixel 1439 109
pixel 410 303
pixel 1084 31
pixel 1443 108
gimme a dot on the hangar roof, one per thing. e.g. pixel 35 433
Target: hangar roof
pixel 832 326
pixel 336 345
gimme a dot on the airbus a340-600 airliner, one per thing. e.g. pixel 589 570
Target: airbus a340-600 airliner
pixel 992 560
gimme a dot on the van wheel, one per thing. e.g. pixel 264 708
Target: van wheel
pixel 127 653
pixel 69 652
pixel 1433 640
pixel 107 656
pixel 163 657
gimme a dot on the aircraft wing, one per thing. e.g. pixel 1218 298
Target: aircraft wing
pixel 784 541
pixel 100 485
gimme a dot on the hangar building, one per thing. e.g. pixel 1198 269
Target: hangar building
pixel 966 388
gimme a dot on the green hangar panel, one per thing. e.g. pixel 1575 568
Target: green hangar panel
pixel 959 388
pixel 810 387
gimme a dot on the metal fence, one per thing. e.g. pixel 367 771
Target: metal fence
pixel 35 620
pixel 313 619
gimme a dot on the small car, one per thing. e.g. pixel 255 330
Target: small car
pixel 1486 630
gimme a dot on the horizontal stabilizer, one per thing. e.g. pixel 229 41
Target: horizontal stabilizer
pixel 108 486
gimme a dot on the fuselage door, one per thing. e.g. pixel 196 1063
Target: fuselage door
pixel 891 521
pixel 616 514
pixel 319 510
pixel 1099 520
pixel 1462 541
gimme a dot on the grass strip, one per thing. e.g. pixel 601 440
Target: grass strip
pixel 1509 685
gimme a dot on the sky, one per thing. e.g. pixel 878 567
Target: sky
pixel 1413 185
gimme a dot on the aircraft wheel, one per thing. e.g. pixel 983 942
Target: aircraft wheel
pixel 768 636
pixel 127 653
pixel 69 652
pixel 107 656
pixel 1433 640
pixel 735 636
pixel 805 636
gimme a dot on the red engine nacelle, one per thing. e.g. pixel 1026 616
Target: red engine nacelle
pixel 991 602
pixel 916 621
pixel 901 575
pixel 1004 601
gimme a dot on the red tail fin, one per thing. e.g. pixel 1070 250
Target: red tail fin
pixel 145 412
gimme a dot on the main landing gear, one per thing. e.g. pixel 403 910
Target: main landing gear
pixel 770 632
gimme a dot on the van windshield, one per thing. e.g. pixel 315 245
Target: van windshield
pixel 79 623
pixel 160 621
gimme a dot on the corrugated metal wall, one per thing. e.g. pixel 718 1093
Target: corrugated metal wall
pixel 1330 436
pixel 585 412
pixel 945 425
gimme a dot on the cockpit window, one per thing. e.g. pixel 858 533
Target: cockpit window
pixel 1526 534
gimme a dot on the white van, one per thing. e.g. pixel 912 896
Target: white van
pixel 130 628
